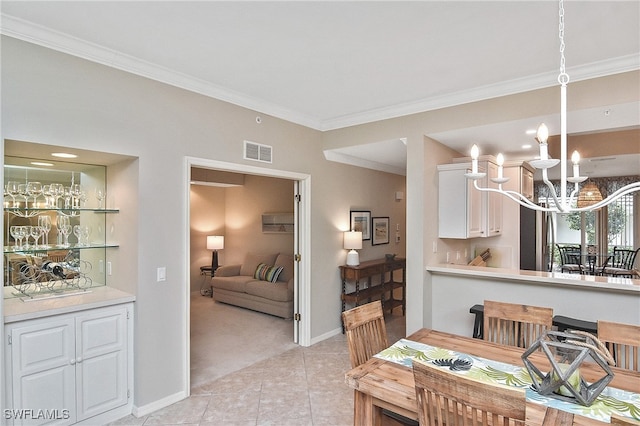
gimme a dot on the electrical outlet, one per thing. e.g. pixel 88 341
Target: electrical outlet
pixel 109 268
pixel 435 246
pixel 448 257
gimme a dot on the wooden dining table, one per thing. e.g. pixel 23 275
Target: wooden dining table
pixel 381 384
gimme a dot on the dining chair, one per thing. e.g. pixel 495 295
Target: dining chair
pixel 620 263
pixel 623 421
pixel 515 325
pixel 448 398
pixel 623 341
pixel 570 258
pixel 366 334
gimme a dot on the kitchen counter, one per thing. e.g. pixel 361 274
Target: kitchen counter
pixel 451 290
pixel 625 285
pixel 15 309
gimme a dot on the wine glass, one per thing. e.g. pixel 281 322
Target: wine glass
pixel 64 226
pixel 34 189
pixel 101 194
pixel 57 190
pixel 76 192
pixel 65 230
pixel 35 232
pixel 22 233
pixel 12 190
pixel 67 196
pixel 15 233
pixel 77 231
pixel 45 222
pixel 22 190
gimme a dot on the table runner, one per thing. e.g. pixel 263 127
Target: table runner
pixel 610 401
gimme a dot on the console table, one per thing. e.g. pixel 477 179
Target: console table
pixel 374 281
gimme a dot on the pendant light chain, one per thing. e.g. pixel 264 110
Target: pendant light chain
pixel 563 78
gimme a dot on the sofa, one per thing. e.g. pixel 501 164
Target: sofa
pixel 263 282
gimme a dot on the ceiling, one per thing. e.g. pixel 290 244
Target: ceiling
pixel 332 64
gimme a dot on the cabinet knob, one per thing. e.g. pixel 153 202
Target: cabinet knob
pixel 72 361
pixel 79 360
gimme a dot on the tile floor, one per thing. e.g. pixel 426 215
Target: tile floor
pixel 302 386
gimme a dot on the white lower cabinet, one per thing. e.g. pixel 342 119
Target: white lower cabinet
pixel 69 368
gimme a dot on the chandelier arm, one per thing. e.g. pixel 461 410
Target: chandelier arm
pixel 572 197
pixel 519 198
pixel 560 207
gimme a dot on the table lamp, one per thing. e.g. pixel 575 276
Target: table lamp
pixel 215 243
pixel 353 242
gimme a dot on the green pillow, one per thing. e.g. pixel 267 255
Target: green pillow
pixel 265 272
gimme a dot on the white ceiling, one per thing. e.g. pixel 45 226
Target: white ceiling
pixel 332 64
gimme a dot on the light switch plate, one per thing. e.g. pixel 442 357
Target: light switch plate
pixel 162 274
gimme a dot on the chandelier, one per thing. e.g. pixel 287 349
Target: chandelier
pixel 558 203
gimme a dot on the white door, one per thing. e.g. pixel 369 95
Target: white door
pixel 101 344
pixel 296 263
pixel 43 373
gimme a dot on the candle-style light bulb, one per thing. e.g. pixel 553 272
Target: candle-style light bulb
pixel 542 136
pixel 575 158
pixel 474 158
pixel 500 161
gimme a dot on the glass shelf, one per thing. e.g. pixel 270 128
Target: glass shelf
pixel 53 209
pixel 10 250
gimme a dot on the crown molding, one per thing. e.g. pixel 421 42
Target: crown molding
pixel 45 37
pixel 42 36
pixel 511 87
pixel 339 157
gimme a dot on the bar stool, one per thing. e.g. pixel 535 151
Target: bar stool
pixel 478 322
pixel 567 323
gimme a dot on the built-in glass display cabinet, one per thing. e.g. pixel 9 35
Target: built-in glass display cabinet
pixel 55 228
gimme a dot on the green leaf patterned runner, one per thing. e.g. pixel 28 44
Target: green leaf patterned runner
pixel 610 401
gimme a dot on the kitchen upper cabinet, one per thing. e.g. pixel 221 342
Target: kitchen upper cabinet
pixel 463 211
pixel 520 178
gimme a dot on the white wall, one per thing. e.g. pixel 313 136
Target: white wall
pixel 53 98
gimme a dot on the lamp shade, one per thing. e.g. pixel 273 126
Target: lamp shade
pixel 589 195
pixel 352 240
pixel 215 242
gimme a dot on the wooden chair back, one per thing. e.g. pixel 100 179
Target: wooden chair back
pixel 366 332
pixel 515 325
pixel 623 341
pixel 451 399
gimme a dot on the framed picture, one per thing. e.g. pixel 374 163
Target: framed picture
pixel 361 222
pixel 380 226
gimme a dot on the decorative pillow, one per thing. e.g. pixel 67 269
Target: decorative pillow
pixel 265 272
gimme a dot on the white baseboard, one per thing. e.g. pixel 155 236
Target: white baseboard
pixel 157 405
pixel 327 335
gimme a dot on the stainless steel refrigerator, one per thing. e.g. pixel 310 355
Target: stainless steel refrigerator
pixel 537 240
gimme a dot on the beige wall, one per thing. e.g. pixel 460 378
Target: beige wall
pixel 236 213
pixel 207 212
pixel 243 217
pixel 53 98
pixel 423 154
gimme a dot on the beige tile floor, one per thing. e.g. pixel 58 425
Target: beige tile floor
pixel 301 386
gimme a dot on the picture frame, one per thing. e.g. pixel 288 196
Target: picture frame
pixel 360 221
pixel 380 230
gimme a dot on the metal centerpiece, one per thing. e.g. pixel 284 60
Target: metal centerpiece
pixel 566 351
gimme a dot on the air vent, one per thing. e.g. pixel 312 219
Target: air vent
pixel 257 152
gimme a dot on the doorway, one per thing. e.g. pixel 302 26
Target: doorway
pixel 300 325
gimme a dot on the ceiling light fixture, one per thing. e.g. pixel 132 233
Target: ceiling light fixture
pixel 63 155
pixel 42 163
pixel 561 203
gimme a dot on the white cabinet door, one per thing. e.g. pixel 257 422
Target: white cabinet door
pixel 101 347
pixel 69 368
pixel 43 373
pixel 494 203
pixel 475 210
